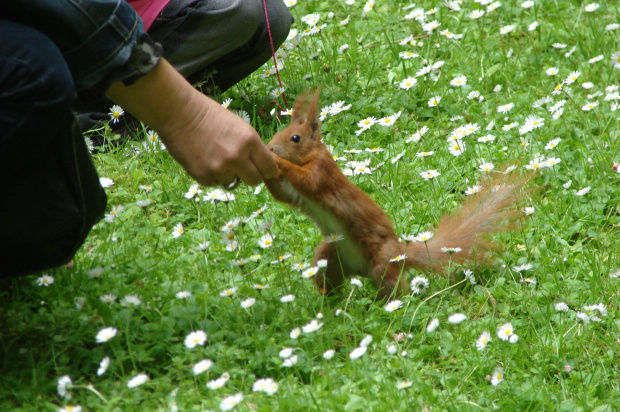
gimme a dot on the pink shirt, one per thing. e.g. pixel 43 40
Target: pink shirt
pixel 148 10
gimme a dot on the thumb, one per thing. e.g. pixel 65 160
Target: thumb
pixel 263 160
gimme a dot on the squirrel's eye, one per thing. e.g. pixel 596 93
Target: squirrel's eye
pixel 296 138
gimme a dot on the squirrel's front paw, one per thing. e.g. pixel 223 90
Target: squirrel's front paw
pixel 280 162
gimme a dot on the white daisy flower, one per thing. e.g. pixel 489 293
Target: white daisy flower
pixel 483 340
pixel 231 402
pixel 178 230
pixel 366 341
pixel 137 380
pixel 45 280
pixel 292 361
pixel 62 386
pixel 229 292
pixel 432 325
pixel 358 352
pixel 196 338
pixel 218 383
pixel 313 326
pixel 266 241
pixel 456 318
pixel 202 366
pixel 106 334
pixel 103 366
pixel 248 303
pixel 393 305
pixel 295 333
pixel 498 376
pixel 266 385
pixel 505 331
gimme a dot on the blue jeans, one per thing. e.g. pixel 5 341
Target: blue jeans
pixel 51 194
pixel 36 94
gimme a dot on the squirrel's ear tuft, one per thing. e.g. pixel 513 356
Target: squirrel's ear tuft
pixel 300 108
pixel 312 116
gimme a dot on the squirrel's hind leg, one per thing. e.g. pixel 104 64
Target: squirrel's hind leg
pixel 332 276
pixel 390 279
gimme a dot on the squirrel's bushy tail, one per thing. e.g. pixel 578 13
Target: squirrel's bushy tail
pixel 470 226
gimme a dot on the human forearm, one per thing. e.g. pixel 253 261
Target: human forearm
pixel 162 99
pixel 210 142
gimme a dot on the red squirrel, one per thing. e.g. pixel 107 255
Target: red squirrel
pixel 309 179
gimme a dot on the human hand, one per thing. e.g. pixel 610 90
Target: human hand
pixel 218 146
pixel 278 175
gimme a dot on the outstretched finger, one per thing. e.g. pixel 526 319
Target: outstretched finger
pixel 249 174
pixel 263 160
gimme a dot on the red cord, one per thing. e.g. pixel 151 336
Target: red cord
pixel 273 54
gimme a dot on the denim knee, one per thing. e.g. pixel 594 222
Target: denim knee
pixel 32 69
pixel 247 17
pixel 249 20
pixel 280 21
pixel 36 93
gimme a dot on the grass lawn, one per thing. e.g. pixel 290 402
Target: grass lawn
pixel 178 301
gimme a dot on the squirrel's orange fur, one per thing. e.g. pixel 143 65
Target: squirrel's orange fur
pixel 310 179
